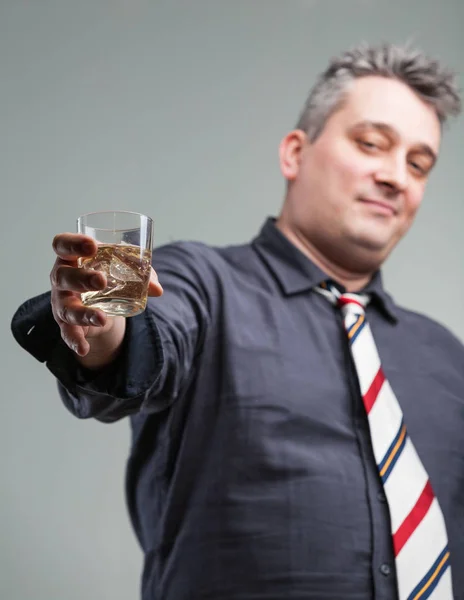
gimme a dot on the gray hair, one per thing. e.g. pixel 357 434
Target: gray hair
pixel 430 80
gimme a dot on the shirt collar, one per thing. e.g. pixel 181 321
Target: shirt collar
pixel 296 273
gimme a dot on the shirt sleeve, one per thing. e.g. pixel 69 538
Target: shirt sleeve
pixel 160 349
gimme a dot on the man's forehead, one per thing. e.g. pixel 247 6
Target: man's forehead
pixel 391 104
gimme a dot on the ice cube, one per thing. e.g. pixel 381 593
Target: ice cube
pixel 121 271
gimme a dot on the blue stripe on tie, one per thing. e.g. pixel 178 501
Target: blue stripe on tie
pixel 426 586
pixel 360 328
pixel 393 453
pixel 392 445
pixel 351 327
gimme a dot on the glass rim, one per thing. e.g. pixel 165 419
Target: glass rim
pixel 110 212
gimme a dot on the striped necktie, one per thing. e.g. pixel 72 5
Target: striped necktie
pixel 420 542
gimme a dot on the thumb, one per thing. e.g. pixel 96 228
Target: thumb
pixel 154 286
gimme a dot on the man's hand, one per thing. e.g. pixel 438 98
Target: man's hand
pixel 84 329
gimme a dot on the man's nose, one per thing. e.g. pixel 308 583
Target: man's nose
pixel 393 175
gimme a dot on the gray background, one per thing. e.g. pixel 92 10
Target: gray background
pixel 175 109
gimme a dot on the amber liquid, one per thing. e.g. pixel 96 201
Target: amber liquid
pixel 127 269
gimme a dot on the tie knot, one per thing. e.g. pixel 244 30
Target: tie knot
pixel 353 303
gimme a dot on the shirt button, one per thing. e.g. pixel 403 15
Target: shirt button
pixel 381 497
pixel 385 569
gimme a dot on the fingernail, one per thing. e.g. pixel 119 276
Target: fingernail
pixel 94 320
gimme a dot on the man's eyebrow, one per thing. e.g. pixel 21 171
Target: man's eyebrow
pixel 377 125
pixel 385 128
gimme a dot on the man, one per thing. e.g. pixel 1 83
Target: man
pixel 262 465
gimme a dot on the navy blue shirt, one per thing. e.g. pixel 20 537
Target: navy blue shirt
pixel 251 473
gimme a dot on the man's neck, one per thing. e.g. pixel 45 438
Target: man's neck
pixel 352 282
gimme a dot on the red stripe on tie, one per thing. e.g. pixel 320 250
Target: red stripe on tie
pixel 371 395
pixel 411 522
pixel 342 300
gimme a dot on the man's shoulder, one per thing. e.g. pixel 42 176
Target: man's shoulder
pixel 429 330
pixel 198 247
pixel 213 269
pixel 201 255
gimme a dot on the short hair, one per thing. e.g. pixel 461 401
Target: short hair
pixel 427 77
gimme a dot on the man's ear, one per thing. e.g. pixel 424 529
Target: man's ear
pixel 290 150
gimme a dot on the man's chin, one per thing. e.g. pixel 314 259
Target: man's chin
pixel 375 239
pixel 374 244
pixel 370 249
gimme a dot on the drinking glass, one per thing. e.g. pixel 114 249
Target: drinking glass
pixel 124 254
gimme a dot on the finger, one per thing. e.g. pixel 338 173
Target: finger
pixel 154 286
pixel 71 278
pixel 74 338
pixel 68 309
pixel 70 246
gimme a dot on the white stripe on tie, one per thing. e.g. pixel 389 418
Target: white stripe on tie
pixel 419 538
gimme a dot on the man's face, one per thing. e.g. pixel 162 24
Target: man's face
pixel 356 189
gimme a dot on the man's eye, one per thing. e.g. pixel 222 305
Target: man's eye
pixel 367 145
pixel 417 167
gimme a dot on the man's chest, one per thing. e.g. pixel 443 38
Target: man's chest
pixel 297 364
